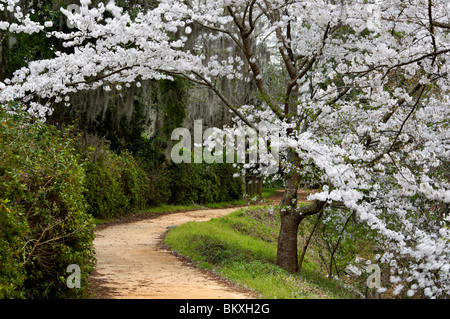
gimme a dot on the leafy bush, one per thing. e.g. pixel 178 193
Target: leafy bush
pixel 13 229
pixel 44 224
pixel 119 184
pixel 158 189
pixel 204 183
pixel 105 193
pixel 228 187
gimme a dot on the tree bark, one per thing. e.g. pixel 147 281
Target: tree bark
pixel 291 217
pixel 287 256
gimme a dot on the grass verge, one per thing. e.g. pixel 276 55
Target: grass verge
pixel 242 247
pixel 265 194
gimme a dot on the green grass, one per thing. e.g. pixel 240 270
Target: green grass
pixel 266 193
pixel 178 208
pixel 242 247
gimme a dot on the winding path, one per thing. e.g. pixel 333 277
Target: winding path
pixel 132 262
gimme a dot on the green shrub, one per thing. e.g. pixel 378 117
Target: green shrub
pixel 204 183
pixel 135 181
pixel 158 187
pixel 44 225
pixel 105 193
pixel 228 187
pixel 13 230
pixel 119 184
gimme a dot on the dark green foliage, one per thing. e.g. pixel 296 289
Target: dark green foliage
pixel 116 184
pixel 13 229
pixel 44 224
pixel 204 183
pixel 105 193
pixel 171 96
pixel 120 184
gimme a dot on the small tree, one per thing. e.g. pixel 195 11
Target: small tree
pixel 363 106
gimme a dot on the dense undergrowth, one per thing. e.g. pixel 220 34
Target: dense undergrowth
pixel 54 186
pixel 119 184
pixel 59 178
pixel 242 247
pixel 44 222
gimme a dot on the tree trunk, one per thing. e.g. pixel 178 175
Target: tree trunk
pixel 290 220
pixel 291 217
pixel 287 256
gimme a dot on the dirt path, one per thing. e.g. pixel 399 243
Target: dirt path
pixel 132 262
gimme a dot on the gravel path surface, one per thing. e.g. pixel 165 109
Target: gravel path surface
pixel 132 262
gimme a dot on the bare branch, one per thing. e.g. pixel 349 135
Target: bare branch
pixel 430 18
pixel 102 76
pixel 212 28
pixel 236 21
pixel 387 116
pixel 406 119
pixel 311 209
pixel 224 100
pixel 250 16
pixel 441 24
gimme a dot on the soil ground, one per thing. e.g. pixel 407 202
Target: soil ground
pixel 133 263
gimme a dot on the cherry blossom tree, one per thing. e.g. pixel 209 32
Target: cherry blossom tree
pixel 360 99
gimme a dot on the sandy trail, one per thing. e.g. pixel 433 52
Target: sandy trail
pixel 132 263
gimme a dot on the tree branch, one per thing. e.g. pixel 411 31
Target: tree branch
pixel 406 119
pixel 441 24
pixel 212 28
pixel 223 98
pixel 311 209
pixel 430 18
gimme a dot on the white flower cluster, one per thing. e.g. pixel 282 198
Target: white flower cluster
pixel 371 113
